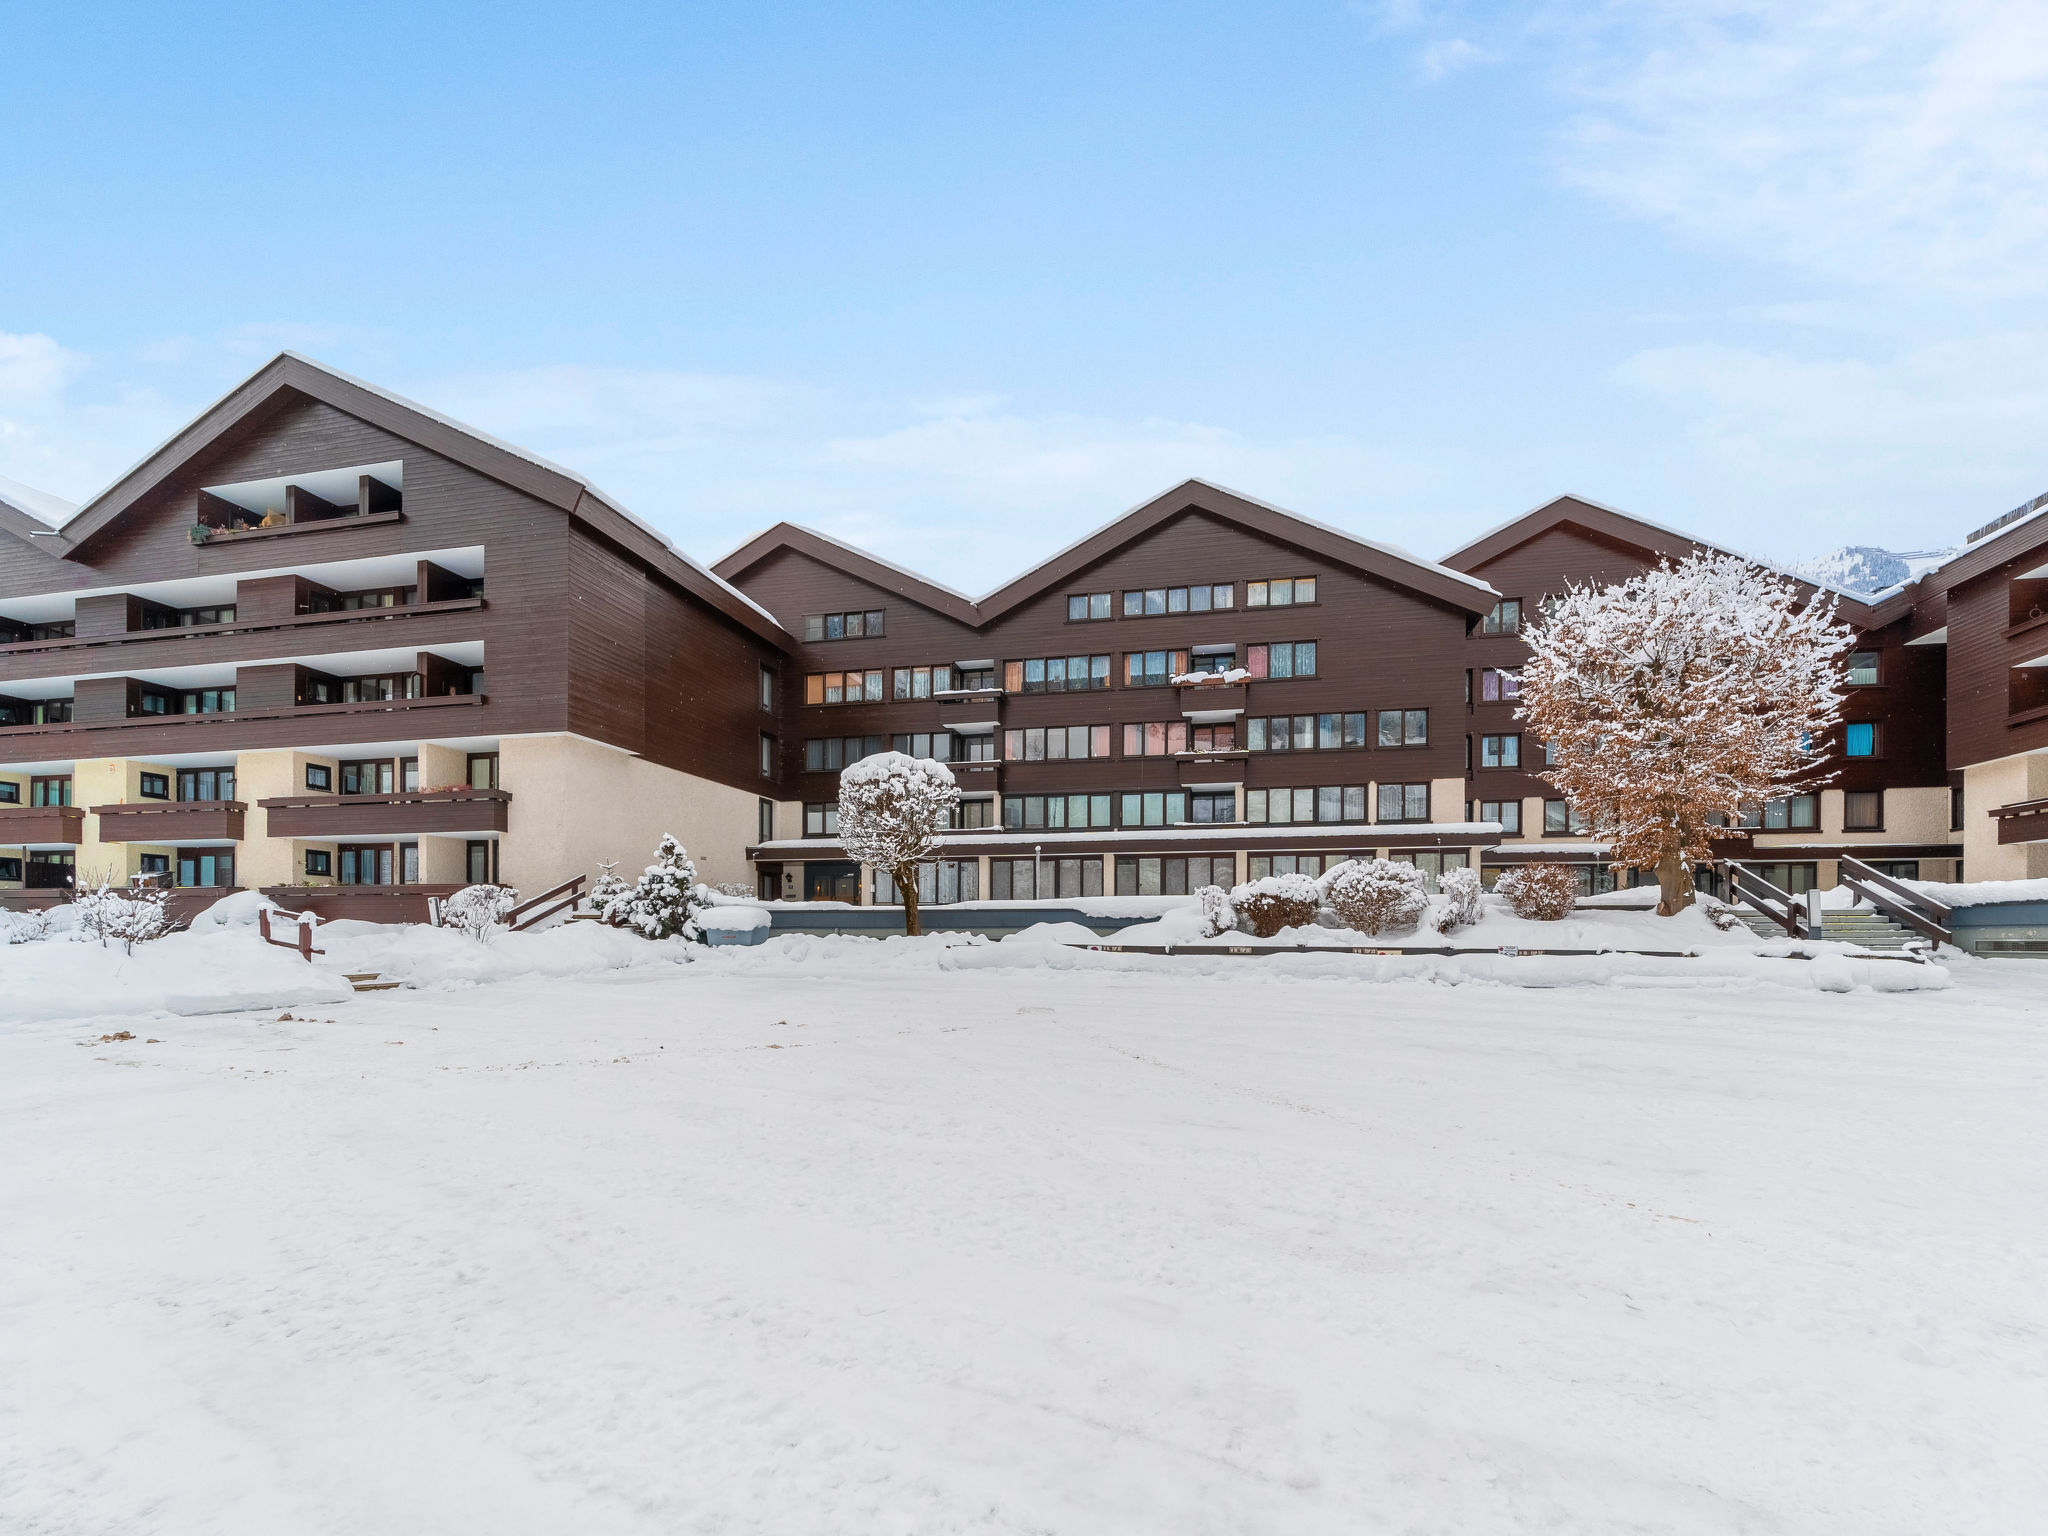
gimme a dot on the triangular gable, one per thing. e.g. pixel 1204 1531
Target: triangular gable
pixel 1652 539
pixel 501 461
pixel 845 557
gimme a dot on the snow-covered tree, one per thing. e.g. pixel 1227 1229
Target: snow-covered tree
pixel 1218 915
pixel 1679 699
pixel 1543 892
pixel 1459 903
pixel 608 889
pixel 1276 902
pixel 479 910
pixel 124 917
pixel 1375 894
pixel 663 903
pixel 893 812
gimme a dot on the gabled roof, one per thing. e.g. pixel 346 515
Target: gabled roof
pixel 32 515
pixel 1638 533
pixel 487 455
pixel 1376 559
pixel 842 556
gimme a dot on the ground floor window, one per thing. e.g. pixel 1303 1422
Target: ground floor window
pixel 10 870
pixel 1043 879
pixel 1260 865
pixel 939 884
pixel 1507 812
pixel 50 871
pixel 481 861
pixel 1144 875
pixel 320 862
pixel 206 867
pixel 1433 864
pixel 1897 869
pixel 1795 879
pixel 837 881
pixel 382 863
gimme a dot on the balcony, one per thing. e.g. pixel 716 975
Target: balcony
pixel 155 641
pixel 1210 770
pixel 974 774
pixel 2024 821
pixel 201 722
pixel 408 813
pixel 1213 701
pixel 970 705
pixel 41 824
pixel 172 821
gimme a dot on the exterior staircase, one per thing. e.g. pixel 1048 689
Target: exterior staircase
pixel 1873 930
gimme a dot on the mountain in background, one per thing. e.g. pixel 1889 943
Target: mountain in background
pixel 1865 568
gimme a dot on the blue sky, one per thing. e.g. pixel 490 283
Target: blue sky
pixel 961 283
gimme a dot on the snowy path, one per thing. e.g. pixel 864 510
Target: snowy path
pixel 725 1250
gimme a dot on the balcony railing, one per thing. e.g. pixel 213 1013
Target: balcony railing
pixel 2024 821
pixel 21 824
pixel 1213 698
pixel 172 821
pixel 400 814
pixel 239 627
pixel 1204 769
pixel 229 716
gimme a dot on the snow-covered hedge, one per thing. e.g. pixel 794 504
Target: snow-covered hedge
pixel 1376 895
pixel 1458 904
pixel 1278 901
pixel 1543 892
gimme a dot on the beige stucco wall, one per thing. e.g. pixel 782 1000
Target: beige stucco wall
pixel 110 781
pixel 261 859
pixel 1910 816
pixel 1446 799
pixel 1986 786
pixel 576 802
pixel 14 850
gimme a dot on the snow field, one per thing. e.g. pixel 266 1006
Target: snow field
pixel 849 1248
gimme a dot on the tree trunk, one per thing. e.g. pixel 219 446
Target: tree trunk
pixel 1674 883
pixel 905 876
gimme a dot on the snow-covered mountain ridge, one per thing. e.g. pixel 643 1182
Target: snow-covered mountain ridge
pixel 1866 568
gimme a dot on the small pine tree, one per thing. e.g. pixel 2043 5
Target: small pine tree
pixel 479 910
pixel 663 904
pixel 608 889
pixel 1459 906
pixel 1375 894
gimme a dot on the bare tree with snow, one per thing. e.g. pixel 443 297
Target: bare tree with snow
pixel 1679 699
pixel 893 812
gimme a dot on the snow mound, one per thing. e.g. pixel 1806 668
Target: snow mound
pixel 1054 933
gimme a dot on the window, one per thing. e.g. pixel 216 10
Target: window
pixel 1495 685
pixel 1153 669
pixel 1505 619
pixel 1560 819
pixel 1086 606
pixel 1955 811
pixel 1202 663
pixel 1793 879
pixel 480 858
pixel 1507 812
pixel 843 688
pixel 10 870
pixel 150 702
pixel 829 754
pixel 205 867
pixel 1156 738
pixel 1863 667
pixel 1154 809
pixel 1863 810
pixel 767 756
pixel 1149 601
pixel 1795 813
pixel 1404 727
pixel 1140 875
pixel 1500 751
pixel 351 602
pixel 482 770
pixel 10 792
pixel 978 748
pixel 1282 659
pixel 1057 743
pixel 1055 812
pixel 939 746
pixel 764 822
pixel 209 701
pixel 153 863
pixel 1260 865
pixel 1404 802
pixel 206 784
pixel 1056 674
pixel 768 689
pixel 319 862
pixel 1213 807
pixel 1859 738
pixel 1550 754
pixel 375 777
pixel 1212 738
pixel 821 820
pixel 864 625
pixel 319 777
pixel 975 680
pixel 1433 865
pixel 921 682
pixel 50 789
pixel 1280 733
pixel 156 786
pixel 939 884
pixel 974 815
pixel 1280 594
pixel 1326 803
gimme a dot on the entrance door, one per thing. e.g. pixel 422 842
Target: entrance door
pixel 832 882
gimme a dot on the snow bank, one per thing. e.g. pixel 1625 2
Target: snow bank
pixel 1980 893
pixel 199 972
pixel 1053 933
pixel 733 919
pixel 441 958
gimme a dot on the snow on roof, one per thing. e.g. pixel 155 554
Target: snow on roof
pixel 852 549
pixel 40 505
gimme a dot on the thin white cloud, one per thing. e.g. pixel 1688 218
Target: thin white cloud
pixel 60 435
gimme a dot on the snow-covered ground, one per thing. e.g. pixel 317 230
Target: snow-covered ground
pixel 831 1236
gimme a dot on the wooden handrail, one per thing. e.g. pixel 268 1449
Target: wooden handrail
pixel 392 797
pixel 2019 808
pixel 1909 908
pixel 571 887
pixel 1741 881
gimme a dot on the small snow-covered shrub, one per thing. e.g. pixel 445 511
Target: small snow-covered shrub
pixel 1459 903
pixel 127 918
pixel 664 902
pixel 23 927
pixel 1278 901
pixel 1372 895
pixel 607 891
pixel 479 910
pixel 1218 915
pixel 1544 892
